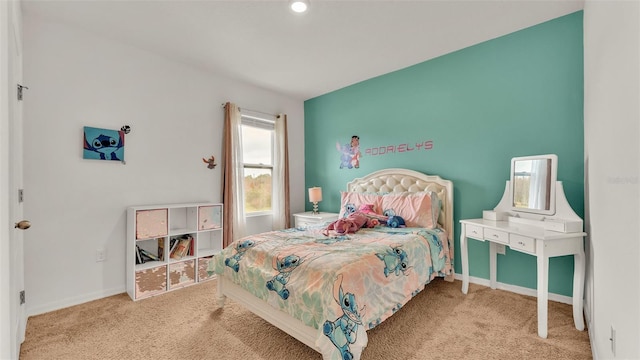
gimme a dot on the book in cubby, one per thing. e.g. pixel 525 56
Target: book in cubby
pixel 182 247
pixel 149 250
pixel 171 246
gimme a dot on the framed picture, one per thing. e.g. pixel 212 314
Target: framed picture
pixel 103 144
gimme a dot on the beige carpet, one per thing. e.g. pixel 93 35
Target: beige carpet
pixel 439 323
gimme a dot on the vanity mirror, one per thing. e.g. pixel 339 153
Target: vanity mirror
pixel 533 184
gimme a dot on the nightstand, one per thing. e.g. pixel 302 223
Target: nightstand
pixel 309 218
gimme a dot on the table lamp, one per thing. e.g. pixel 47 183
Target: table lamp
pixel 315 196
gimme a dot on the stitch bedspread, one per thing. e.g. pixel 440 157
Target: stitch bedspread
pixel 340 285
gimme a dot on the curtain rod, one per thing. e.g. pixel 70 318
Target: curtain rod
pixel 256 111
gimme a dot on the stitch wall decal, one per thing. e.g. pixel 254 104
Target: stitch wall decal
pixel 211 162
pixel 350 153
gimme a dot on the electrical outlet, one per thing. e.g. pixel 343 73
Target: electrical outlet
pixel 501 249
pixel 101 255
pixel 613 340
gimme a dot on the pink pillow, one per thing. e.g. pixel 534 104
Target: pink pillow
pixel 417 209
pixel 352 201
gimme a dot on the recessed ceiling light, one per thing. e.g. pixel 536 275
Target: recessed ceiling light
pixel 299 6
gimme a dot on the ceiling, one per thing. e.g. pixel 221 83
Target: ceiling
pixel 333 45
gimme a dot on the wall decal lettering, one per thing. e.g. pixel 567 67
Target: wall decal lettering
pixel 400 148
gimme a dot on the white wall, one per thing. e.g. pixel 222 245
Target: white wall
pixel 78 79
pixel 612 151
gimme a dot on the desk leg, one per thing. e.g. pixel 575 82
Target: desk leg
pixel 464 254
pixel 543 288
pixel 493 265
pixel 578 289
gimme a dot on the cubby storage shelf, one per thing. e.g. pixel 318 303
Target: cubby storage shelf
pixel 151 230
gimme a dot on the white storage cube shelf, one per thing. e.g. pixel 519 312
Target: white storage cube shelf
pixel 151 229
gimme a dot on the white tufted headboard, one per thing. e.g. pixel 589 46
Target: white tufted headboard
pixel 405 180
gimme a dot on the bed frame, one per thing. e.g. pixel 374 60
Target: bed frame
pixel 382 181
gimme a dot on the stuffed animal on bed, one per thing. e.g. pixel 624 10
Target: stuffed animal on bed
pixel 395 221
pixel 348 225
pixel 374 219
pixel 365 216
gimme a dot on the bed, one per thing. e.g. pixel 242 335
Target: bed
pixel 327 288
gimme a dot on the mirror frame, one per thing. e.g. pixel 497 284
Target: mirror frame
pixel 552 189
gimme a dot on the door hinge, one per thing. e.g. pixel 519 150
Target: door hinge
pixel 22 297
pixel 20 88
pixel 20 195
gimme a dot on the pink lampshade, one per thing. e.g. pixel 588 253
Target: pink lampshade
pixel 315 194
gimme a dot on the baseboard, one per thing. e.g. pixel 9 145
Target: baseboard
pixel 76 300
pixel 517 289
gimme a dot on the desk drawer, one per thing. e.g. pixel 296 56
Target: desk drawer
pixel 496 236
pixel 523 243
pixel 473 231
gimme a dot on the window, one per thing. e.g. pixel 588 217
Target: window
pixel 257 154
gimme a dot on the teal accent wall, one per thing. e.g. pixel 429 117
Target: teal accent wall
pixel 517 95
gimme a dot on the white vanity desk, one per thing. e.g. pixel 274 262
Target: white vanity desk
pixel 543 236
pixel 530 240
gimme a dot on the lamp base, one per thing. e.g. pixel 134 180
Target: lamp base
pixel 315 209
